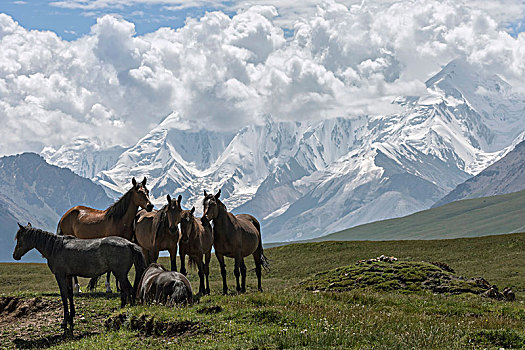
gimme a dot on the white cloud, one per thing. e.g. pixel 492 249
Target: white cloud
pixel 229 72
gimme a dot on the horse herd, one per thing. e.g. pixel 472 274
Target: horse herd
pixel 91 242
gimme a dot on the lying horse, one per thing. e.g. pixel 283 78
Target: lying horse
pixel 68 256
pixel 158 231
pixel 196 241
pixel 234 236
pixel 161 286
pixel 117 220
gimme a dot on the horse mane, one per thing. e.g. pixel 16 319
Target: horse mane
pixel 119 208
pixel 50 241
pixel 163 219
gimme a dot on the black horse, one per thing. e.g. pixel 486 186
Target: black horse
pixel 68 256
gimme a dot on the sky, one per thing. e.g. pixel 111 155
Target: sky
pixel 112 69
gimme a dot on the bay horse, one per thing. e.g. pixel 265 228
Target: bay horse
pixel 158 230
pixel 234 236
pixel 68 256
pixel 196 241
pixel 117 220
pixel 158 285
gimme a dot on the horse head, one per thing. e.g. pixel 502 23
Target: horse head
pixel 186 224
pixel 173 211
pixel 211 205
pixel 22 244
pixel 141 194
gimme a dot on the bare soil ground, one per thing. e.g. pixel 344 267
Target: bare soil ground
pixel 34 322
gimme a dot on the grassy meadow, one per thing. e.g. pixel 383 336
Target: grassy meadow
pixel 286 315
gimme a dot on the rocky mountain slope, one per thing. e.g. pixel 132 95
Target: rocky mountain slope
pixel 507 175
pixel 32 190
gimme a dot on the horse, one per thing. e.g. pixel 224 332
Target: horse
pixel 158 230
pixel 117 220
pixel 234 236
pixel 196 241
pixel 158 285
pixel 68 256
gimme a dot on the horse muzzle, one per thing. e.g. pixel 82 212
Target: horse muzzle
pixel 16 257
pixel 149 207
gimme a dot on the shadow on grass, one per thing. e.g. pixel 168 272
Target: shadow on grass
pixel 51 340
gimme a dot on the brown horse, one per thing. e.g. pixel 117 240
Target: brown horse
pixel 158 230
pixel 234 236
pixel 117 220
pixel 196 241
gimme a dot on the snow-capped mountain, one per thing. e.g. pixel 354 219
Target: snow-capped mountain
pixel 84 156
pixel 305 179
pixel 507 175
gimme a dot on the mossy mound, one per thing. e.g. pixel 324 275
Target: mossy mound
pixel 403 276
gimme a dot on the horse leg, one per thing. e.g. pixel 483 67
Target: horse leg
pixel 173 257
pixel 207 258
pixel 117 283
pixel 237 272
pixel 200 266
pixel 126 290
pixel 77 286
pixel 258 263
pixel 71 304
pixel 183 263
pixel 108 284
pixel 243 276
pixel 62 285
pixel 220 258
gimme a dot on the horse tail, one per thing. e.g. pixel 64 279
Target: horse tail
pixel 265 262
pixel 140 266
pixel 192 262
pixel 92 285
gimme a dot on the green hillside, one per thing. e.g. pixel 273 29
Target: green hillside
pixel 466 218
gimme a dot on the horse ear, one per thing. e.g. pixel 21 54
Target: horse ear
pixel 192 210
pixel 134 182
pixel 144 181
pixel 29 224
pixel 20 225
pixel 179 198
pixel 205 193
pixel 218 194
pixel 168 197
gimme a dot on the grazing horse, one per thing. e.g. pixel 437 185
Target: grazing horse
pixel 234 236
pixel 68 256
pixel 117 220
pixel 161 286
pixel 158 230
pixel 195 241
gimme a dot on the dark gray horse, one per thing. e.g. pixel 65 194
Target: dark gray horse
pixel 161 286
pixel 68 256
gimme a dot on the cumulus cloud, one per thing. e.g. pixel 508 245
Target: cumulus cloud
pixel 227 72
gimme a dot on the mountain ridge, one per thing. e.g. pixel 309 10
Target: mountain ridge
pixel 347 171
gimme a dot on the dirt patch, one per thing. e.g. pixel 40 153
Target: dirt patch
pixel 149 326
pixel 16 307
pixel 27 323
